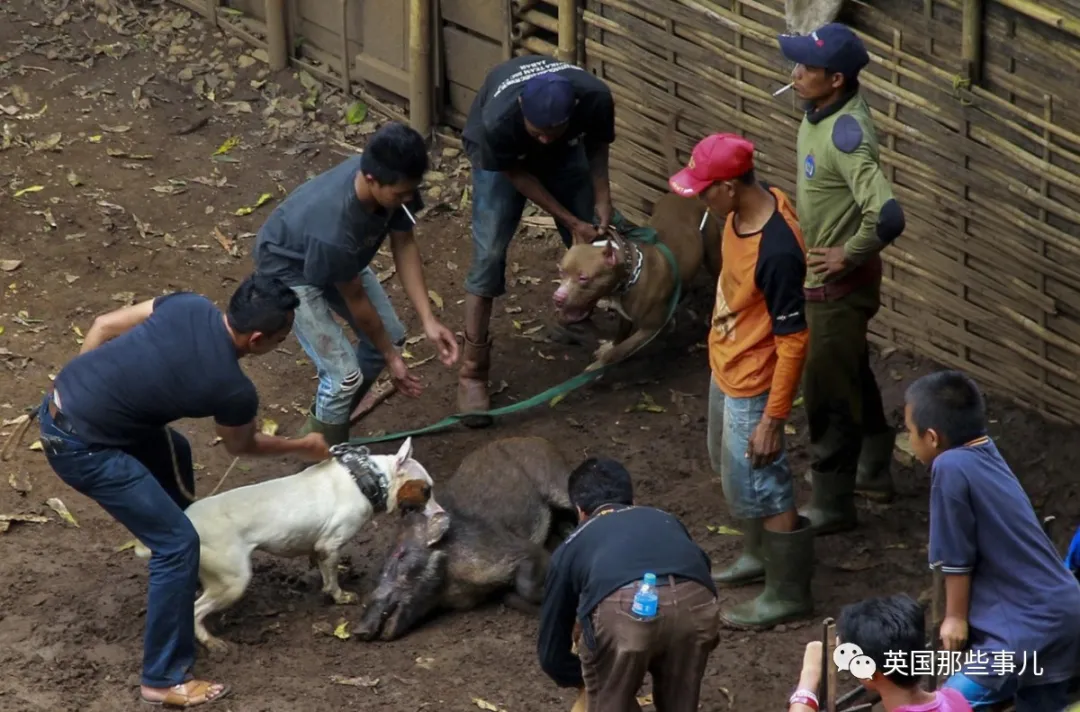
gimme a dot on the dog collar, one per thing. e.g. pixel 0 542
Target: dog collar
pixel 372 483
pixel 635 273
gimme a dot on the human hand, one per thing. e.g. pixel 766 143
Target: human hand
pixel 314 447
pixel 584 233
pixel 954 633
pixel 404 382
pixel 444 341
pixel 827 261
pixel 765 442
pixel 810 676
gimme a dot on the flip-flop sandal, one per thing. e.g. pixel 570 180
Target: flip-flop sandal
pixel 178 698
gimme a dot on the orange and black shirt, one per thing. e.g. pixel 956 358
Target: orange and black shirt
pixel 759 335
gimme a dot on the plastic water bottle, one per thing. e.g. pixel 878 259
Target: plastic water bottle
pixel 646 598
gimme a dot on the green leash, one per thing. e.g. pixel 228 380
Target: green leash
pixel 643 235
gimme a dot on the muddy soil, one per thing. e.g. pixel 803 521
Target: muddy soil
pixel 119 183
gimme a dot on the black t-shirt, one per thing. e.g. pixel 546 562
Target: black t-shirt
pixel 322 234
pixel 495 138
pixel 179 363
pixel 616 546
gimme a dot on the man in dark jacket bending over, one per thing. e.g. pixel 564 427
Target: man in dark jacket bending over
pixel 593 578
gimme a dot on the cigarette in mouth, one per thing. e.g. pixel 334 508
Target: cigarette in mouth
pixel 408 214
pixel 783 89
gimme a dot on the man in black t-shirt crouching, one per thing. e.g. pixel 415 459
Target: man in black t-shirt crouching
pixel 104 429
pixel 593 578
pixel 539 129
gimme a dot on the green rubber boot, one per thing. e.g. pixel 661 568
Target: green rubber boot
pixel 789 568
pixel 335 433
pixel 749 567
pixel 832 504
pixel 874 479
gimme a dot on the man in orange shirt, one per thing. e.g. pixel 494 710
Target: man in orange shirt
pixel 757 346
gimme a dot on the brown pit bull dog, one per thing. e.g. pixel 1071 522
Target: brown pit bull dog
pixel 503 509
pixel 636 278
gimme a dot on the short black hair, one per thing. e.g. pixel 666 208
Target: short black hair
pixel 951 404
pixel 261 304
pixel 394 154
pixel 748 178
pixel 598 481
pixel 884 625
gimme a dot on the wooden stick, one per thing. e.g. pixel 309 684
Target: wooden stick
pixel 936 618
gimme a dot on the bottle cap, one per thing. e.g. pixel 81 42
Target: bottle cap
pixel 650 578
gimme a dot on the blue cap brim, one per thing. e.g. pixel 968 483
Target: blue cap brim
pixel 800 49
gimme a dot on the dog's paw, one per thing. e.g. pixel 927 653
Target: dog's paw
pixel 345 598
pixel 603 353
pixel 216 646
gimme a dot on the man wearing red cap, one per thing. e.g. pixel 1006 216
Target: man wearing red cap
pixel 757 346
pixel 540 130
pixel 848 214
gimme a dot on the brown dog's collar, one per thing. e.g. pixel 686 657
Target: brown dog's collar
pixel 632 252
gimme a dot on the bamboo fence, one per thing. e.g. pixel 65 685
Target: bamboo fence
pixel 534 27
pixel 979 132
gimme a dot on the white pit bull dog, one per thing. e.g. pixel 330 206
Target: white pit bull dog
pixel 314 513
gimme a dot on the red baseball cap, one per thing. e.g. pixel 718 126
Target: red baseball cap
pixel 715 158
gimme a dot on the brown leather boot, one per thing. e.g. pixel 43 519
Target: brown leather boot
pixel 472 395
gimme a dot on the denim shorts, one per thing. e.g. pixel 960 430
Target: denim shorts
pixel 750 493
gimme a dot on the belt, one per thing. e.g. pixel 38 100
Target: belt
pixel 670 579
pixel 54 404
pixel 863 275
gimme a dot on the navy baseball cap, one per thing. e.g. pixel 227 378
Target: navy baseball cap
pixel 547 100
pixel 834 47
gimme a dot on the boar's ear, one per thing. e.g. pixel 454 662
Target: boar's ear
pixel 437 526
pixel 404 454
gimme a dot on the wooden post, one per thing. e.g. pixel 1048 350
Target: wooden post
pixel 420 66
pixel 971 45
pixel 567 31
pixel 277 41
pixel 346 60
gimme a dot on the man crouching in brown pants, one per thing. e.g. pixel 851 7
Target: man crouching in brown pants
pixel 593 578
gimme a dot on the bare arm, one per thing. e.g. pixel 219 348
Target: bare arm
pixel 364 314
pixel 529 185
pixel 410 269
pixel 598 166
pixel 108 326
pixel 957 595
pixel 247 440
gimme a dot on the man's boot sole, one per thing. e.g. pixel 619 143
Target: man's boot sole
pixel 877 495
pixel 745 580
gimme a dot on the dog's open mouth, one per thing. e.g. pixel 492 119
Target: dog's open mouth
pixel 575 315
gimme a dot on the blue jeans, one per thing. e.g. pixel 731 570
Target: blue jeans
pixel 496 211
pixel 750 493
pixel 346 373
pixel 137 487
pixel 1039 698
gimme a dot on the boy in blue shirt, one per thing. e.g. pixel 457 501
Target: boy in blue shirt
pixel 1008 599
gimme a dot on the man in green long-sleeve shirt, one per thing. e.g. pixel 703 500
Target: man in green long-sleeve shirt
pixel 848 214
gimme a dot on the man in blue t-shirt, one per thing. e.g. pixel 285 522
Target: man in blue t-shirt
pixel 320 241
pixel 104 429
pixel 1008 598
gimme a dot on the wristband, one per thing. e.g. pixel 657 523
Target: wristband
pixel 806 697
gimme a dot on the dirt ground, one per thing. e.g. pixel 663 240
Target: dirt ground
pixel 112 193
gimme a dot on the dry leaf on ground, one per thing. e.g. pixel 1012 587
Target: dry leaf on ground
pixel 722 529
pixel 362 681
pixel 646 405
pixel 59 507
